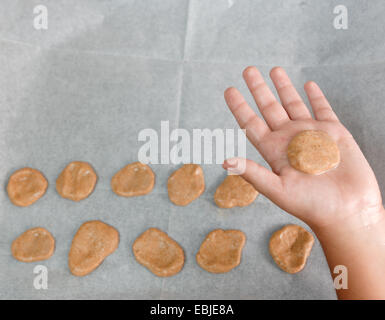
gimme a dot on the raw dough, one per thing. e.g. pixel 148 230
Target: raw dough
pixel 135 179
pixel 290 247
pixel 313 151
pixel 221 251
pixel 77 181
pixel 234 191
pixel 186 184
pixel 92 243
pixel 35 244
pixel 162 255
pixel 26 186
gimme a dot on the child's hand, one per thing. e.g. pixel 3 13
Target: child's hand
pixel 348 194
pixel 343 206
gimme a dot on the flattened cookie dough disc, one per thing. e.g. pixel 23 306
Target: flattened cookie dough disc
pixel 221 251
pixel 313 151
pixel 290 247
pixel 234 191
pixel 35 244
pixel 77 181
pixel 186 184
pixel 92 243
pixel 135 179
pixel 162 255
pixel 26 186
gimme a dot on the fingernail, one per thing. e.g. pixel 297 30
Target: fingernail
pixel 237 166
pixel 232 162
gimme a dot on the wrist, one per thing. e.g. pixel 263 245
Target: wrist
pixel 357 245
pixel 366 225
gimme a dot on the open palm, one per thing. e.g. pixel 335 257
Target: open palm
pixel 350 190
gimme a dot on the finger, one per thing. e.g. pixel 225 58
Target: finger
pixel 321 107
pixel 255 127
pixel 263 180
pixel 291 100
pixel 270 108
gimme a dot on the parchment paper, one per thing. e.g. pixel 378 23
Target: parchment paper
pixel 104 70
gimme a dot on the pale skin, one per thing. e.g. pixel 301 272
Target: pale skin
pixel 342 206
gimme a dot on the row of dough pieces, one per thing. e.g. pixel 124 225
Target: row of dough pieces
pixel 78 179
pixel 310 151
pixel 220 252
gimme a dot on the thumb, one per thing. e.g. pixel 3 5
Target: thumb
pixel 263 180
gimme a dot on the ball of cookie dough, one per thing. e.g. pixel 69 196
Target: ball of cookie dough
pixel 186 184
pixel 26 186
pixel 77 181
pixel 221 251
pixel 135 179
pixel 290 247
pixel 160 254
pixel 35 244
pixel 92 243
pixel 234 191
pixel 313 151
